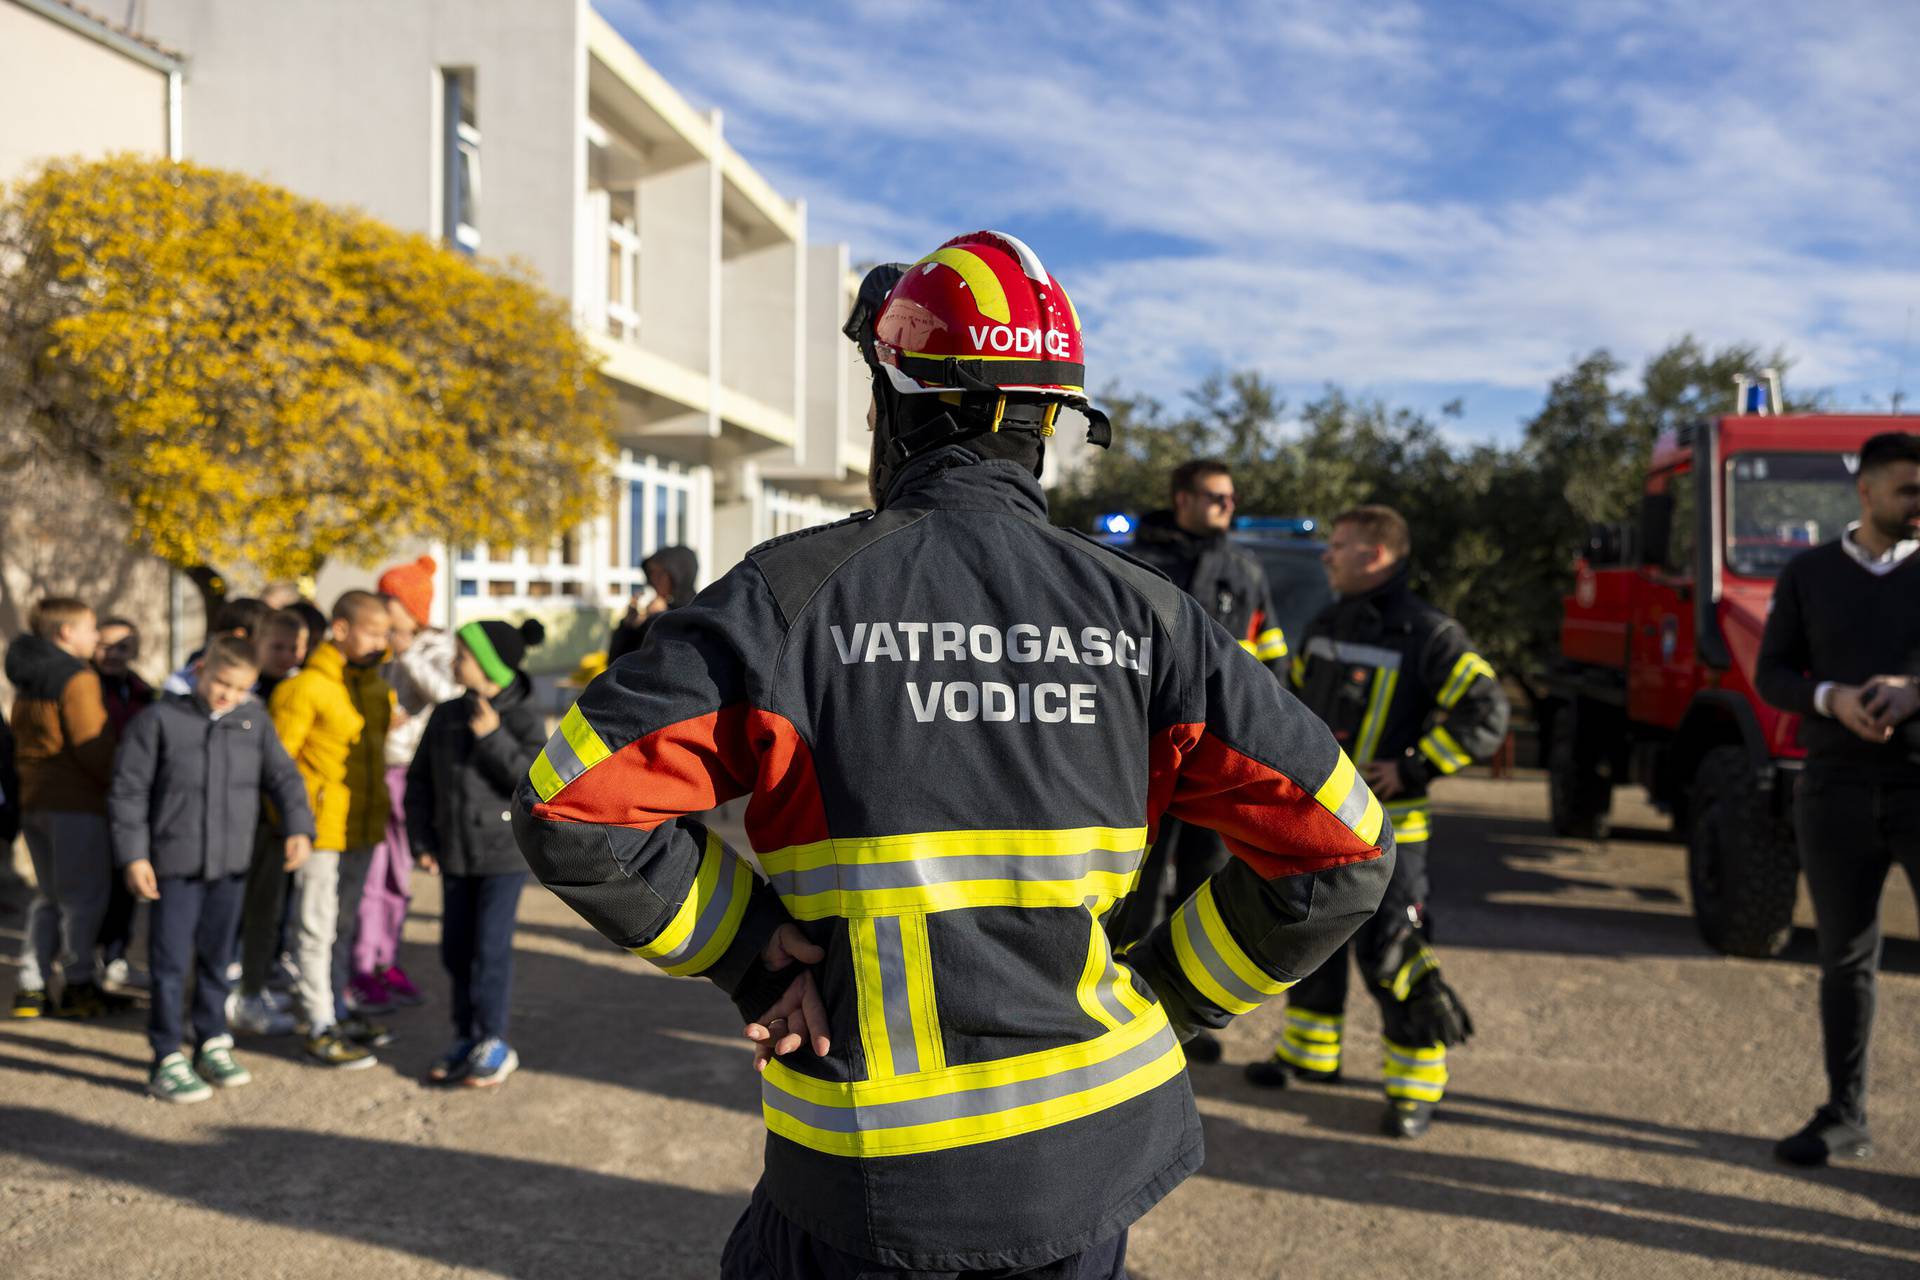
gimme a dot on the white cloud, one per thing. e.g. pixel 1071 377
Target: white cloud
pixel 1367 195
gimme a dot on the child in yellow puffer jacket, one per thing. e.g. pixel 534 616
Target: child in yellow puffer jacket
pixel 332 718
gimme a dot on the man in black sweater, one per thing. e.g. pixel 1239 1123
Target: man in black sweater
pixel 1842 648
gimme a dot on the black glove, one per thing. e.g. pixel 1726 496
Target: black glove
pixel 1434 1013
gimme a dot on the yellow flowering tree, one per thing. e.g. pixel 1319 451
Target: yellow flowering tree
pixel 268 380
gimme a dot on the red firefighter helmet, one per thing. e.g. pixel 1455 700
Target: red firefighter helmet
pixel 981 314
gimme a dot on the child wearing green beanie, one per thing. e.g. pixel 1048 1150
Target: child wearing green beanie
pixel 473 753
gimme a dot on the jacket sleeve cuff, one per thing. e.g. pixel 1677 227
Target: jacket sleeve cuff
pixel 1146 962
pixel 740 972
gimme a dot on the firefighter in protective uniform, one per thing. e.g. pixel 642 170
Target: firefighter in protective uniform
pixel 959 726
pixel 1410 701
pixel 1189 542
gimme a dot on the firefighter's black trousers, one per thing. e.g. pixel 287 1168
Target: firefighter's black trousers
pixel 765 1245
pixel 1324 991
pixel 1852 828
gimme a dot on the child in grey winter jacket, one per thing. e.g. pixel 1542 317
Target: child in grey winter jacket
pixel 185 801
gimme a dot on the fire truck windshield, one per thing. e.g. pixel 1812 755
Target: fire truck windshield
pixel 1780 504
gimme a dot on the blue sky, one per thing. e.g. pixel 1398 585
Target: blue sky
pixel 1422 201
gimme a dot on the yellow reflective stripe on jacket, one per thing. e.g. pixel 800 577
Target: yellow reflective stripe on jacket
pixel 1410 819
pixel 1375 720
pixel 709 919
pixel 1269 644
pixel 952 870
pixel 978 1102
pixel 1469 667
pixel 876 1038
pixel 573 749
pixel 1350 800
pixel 893 988
pixel 1096 988
pixel 1444 751
pixel 1213 962
pixel 1298 671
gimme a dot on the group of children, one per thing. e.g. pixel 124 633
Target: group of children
pixel 272 802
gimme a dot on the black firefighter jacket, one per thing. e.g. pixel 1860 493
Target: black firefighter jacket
pixel 959 726
pixel 1227 581
pixel 460 788
pixel 1397 679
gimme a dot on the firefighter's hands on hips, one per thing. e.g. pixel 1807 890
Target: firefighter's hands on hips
pixel 798 1017
pixel 1383 778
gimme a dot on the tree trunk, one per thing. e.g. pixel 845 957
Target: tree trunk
pixel 212 588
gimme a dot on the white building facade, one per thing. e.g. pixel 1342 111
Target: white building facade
pixel 74 85
pixel 531 130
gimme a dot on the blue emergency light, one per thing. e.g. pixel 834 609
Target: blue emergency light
pixel 1114 522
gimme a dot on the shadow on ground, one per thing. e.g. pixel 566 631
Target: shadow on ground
pixel 1472 901
pixel 485 1212
pixel 1713 1227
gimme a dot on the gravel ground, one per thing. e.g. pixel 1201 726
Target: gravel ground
pixel 1613 1116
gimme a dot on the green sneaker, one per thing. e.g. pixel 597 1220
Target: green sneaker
pixel 174 1081
pixel 216 1066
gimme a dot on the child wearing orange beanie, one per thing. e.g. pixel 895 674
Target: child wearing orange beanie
pixel 421 674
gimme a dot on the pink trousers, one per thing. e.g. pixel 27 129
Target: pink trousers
pixel 383 907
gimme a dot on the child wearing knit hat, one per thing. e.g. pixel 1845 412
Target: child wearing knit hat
pixel 475 751
pixel 421 676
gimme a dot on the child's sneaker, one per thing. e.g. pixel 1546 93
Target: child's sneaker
pixel 214 1064
pixel 30 1002
pixel 451 1066
pixel 174 1081
pixel 365 994
pixel 256 1017
pixel 85 1000
pixel 490 1063
pixel 122 973
pixel 331 1049
pixel 374 1035
pixel 400 986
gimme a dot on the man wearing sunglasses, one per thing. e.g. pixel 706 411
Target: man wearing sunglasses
pixel 1189 542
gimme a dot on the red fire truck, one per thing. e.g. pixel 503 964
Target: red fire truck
pixel 1654 685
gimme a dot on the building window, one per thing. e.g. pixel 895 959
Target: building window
pixel 460 151
pixel 469 587
pixel 657 508
pixel 623 266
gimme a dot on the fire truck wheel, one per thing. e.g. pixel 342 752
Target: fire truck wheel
pixel 1742 865
pixel 1579 793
